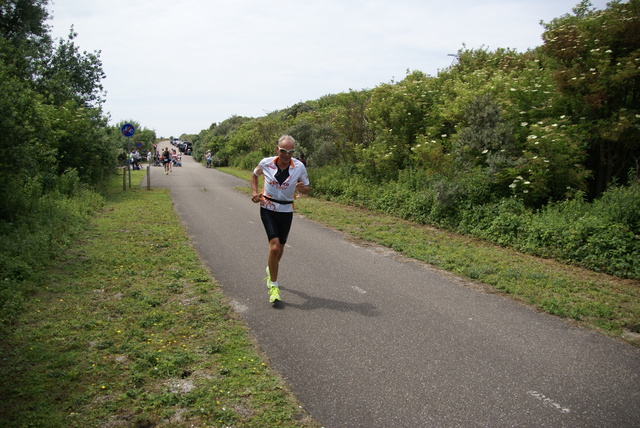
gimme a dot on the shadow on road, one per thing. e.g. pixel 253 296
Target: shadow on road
pixel 312 303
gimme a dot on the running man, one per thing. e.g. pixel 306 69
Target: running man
pixel 283 176
pixel 166 160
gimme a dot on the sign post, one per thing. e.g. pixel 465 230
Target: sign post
pixel 128 130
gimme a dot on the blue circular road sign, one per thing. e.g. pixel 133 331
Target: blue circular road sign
pixel 128 130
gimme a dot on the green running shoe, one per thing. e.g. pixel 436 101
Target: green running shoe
pixel 274 293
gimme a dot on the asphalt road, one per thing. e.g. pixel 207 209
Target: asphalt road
pixel 366 338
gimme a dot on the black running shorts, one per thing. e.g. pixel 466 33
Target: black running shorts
pixel 277 225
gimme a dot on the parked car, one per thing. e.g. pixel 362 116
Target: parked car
pixel 186 147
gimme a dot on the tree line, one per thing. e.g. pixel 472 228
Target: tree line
pixel 537 150
pixel 58 147
pixel 53 126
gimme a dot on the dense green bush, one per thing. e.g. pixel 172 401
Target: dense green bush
pixel 601 235
pixel 248 161
pixel 33 241
pixel 503 222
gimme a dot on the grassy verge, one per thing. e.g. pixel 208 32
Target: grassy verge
pixel 131 330
pixel 608 304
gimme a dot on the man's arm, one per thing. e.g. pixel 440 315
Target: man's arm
pixel 255 191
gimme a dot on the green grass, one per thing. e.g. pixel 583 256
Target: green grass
pixel 130 329
pixel 598 301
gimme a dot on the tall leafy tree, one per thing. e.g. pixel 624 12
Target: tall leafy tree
pixel 24 128
pixel 51 120
pixel 25 132
pixel 24 36
pixel 596 57
pixel 72 75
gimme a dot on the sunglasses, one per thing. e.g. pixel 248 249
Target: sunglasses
pixel 285 151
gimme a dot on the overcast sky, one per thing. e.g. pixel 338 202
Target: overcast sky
pixel 179 66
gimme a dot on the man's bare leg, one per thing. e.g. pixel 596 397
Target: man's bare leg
pixel 276 249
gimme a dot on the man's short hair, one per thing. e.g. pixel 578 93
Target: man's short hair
pixel 286 137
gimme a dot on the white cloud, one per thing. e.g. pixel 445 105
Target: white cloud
pixel 179 66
